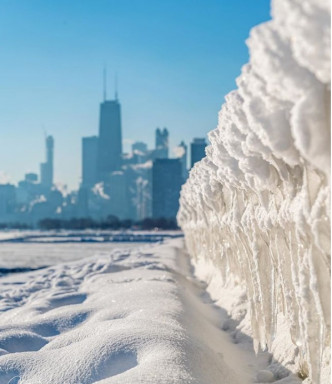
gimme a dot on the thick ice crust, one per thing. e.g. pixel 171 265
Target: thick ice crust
pixel 258 205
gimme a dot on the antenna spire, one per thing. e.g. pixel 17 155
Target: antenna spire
pixel 105 83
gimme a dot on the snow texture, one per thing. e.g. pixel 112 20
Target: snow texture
pixel 255 210
pixel 129 316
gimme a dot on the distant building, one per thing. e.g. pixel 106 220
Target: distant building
pixel 89 161
pixel 118 193
pixel 139 146
pixel 161 150
pixel 7 202
pixel 110 139
pixel 28 189
pixel 197 150
pixel 82 209
pixel 31 177
pixel 166 186
pixel 142 198
pixel 140 153
pixel 46 169
pixel 139 189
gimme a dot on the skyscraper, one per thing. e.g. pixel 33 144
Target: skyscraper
pixel 166 186
pixel 82 208
pixel 46 169
pixel 161 151
pixel 118 192
pixel 7 202
pixel 89 161
pixel 197 150
pixel 110 137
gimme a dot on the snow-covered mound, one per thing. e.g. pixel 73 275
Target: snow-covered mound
pixel 255 210
pixel 127 317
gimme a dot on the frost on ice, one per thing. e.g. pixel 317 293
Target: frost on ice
pixel 255 210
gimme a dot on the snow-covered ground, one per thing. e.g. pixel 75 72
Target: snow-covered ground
pixel 21 249
pixel 36 255
pixel 256 210
pixel 126 316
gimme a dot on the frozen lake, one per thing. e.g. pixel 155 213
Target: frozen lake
pixel 37 249
pixel 35 255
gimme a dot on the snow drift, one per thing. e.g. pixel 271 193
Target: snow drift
pixel 256 208
pixel 123 316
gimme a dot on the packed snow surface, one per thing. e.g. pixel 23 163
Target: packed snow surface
pixel 126 316
pixel 255 210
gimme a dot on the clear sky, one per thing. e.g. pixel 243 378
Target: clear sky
pixel 175 59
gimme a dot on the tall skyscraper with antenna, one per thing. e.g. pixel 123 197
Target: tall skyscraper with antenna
pixel 110 135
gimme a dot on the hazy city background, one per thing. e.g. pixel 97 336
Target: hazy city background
pixel 79 143
pixel 144 183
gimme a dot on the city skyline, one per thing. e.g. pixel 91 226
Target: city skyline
pixel 140 185
pixel 45 170
pixel 108 106
pixel 52 79
pixel 151 141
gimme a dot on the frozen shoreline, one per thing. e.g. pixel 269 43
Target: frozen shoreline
pixel 132 316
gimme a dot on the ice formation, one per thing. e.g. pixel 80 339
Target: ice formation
pixel 256 207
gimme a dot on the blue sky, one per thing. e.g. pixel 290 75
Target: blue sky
pixel 175 59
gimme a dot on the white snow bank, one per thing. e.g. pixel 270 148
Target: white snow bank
pixel 132 316
pixel 257 207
